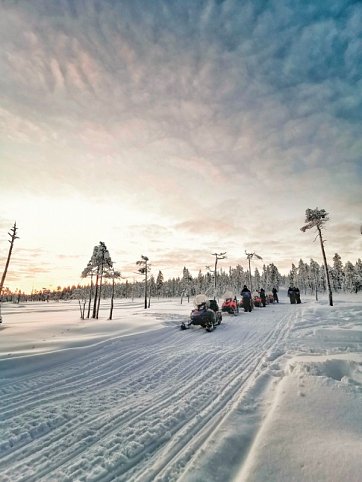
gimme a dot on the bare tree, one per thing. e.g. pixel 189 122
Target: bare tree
pixel 13 236
pixel 316 218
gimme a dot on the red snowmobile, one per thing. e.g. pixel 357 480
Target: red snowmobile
pixel 230 305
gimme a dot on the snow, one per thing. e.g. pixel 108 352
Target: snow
pixel 271 395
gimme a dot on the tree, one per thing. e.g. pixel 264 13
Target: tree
pixel 350 277
pixel 257 279
pixel 337 273
pixel 159 283
pixel 302 276
pixel 13 236
pixel 293 275
pixel 316 218
pixel 358 270
pixel 99 263
pixel 314 271
pixel 275 277
pixel 186 281
pixel 144 269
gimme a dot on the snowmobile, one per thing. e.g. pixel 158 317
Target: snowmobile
pixel 230 305
pixel 257 300
pixel 205 314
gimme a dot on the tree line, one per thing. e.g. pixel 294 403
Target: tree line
pixel 309 277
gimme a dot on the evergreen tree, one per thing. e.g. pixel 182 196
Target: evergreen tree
pixel 316 218
pixel 186 282
pixel 275 277
pixel 314 276
pixel 293 276
pixel 144 269
pixel 302 276
pixel 350 277
pixel 264 278
pixel 358 271
pixel 98 265
pixel 257 279
pixel 337 273
pixel 159 283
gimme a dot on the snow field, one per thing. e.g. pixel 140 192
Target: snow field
pixel 269 395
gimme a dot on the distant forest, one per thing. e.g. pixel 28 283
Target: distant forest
pixel 308 277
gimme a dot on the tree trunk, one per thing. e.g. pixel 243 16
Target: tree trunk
pixel 325 266
pixel 146 289
pixel 100 292
pixel 112 297
pixel 90 295
pixel 95 298
pixel 13 237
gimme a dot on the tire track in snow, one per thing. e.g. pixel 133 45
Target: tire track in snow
pixel 192 380
pixel 109 428
pixel 180 455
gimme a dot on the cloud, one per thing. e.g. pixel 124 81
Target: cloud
pixel 171 114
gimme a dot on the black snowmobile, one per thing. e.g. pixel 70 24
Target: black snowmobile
pixel 205 314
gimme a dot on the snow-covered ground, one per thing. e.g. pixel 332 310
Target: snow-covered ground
pixel 272 395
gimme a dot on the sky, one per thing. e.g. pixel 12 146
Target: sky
pixel 176 130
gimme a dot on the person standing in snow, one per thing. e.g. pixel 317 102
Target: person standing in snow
pixel 262 296
pixel 297 295
pixel 291 294
pixel 275 295
pixel 246 294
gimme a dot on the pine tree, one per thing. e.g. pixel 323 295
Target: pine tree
pixel 293 276
pixel 316 218
pixel 257 279
pixel 99 263
pixel 358 271
pixel 186 281
pixel 144 269
pixel 275 277
pixel 302 276
pixel 159 283
pixel 350 277
pixel 337 273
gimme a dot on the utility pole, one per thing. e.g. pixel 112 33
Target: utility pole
pixel 249 257
pixel 217 257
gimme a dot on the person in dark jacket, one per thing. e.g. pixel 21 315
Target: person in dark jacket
pixel 275 295
pixel 291 294
pixel 262 296
pixel 297 295
pixel 246 294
